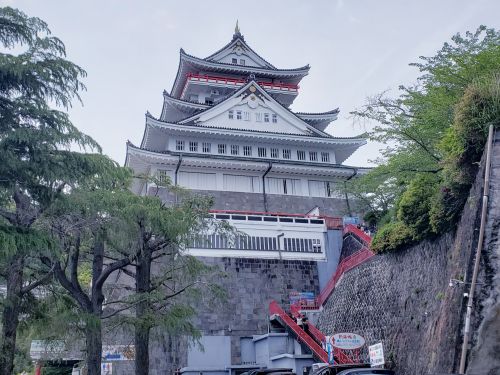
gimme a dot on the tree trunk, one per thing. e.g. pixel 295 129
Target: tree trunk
pixel 142 325
pixel 141 349
pixel 93 343
pixel 10 314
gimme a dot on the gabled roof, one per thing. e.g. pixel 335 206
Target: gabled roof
pixel 253 88
pixel 189 63
pixel 238 41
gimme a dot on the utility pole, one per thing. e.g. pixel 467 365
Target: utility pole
pixel 484 211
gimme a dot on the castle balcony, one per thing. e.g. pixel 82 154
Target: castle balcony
pixel 212 88
pixel 267 235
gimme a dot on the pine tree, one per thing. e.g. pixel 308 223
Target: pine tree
pixel 37 164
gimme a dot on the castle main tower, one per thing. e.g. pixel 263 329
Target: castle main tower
pixel 226 130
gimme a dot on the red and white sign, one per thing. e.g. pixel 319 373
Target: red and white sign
pixel 347 341
pixel 376 355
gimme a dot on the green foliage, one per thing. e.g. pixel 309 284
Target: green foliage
pixel 392 236
pixel 415 203
pixel 436 131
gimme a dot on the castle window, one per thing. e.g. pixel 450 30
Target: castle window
pixel 162 175
pixel 242 62
pixel 246 116
pixel 247 150
pixel 230 115
pixel 235 150
pixel 275 118
pixel 262 152
pixel 325 157
pixel 301 155
pixel 286 153
pixel 238 115
pixel 266 117
pixel 193 146
pixel 234 61
pixel 258 117
pixel 179 145
pixel 207 147
pixel 275 153
pixel 313 156
pixel 209 101
pixel 221 148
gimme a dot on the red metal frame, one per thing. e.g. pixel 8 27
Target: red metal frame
pixel 353 229
pixel 317 350
pixel 312 339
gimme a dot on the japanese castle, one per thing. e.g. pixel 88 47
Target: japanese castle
pixel 226 127
pixel 226 130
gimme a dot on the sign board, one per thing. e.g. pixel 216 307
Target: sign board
pixel 376 353
pixel 106 368
pixel 347 341
pixel 45 349
pixel 351 220
pixel 118 352
pixel 302 296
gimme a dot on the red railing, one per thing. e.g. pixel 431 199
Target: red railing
pixel 314 339
pixel 239 82
pixel 363 237
pixel 318 352
pixel 345 265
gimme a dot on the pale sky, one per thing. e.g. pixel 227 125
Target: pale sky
pixel 356 48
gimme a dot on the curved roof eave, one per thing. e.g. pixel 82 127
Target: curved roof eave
pixel 242 69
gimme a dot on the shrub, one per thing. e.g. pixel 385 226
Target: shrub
pixel 392 236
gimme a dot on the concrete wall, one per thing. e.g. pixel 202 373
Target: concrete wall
pixel 333 249
pixel 214 350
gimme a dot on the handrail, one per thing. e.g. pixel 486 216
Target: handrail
pixel 345 265
pixel 317 350
pixel 350 228
pixel 311 339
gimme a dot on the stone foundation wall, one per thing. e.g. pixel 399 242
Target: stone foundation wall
pixel 404 300
pixel 229 200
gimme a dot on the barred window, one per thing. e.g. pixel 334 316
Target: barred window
pixel 235 150
pixel 313 156
pixel 275 118
pixel 207 147
pixel 179 145
pixel 258 117
pixel 193 146
pixel 266 117
pixel 247 150
pixel 286 153
pixel 275 153
pixel 325 157
pixel 301 155
pixel 262 152
pixel 221 148
pixel 231 115
pixel 238 115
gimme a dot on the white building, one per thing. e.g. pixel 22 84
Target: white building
pixel 226 130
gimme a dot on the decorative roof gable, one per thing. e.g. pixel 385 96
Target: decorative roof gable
pixel 238 51
pixel 252 108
